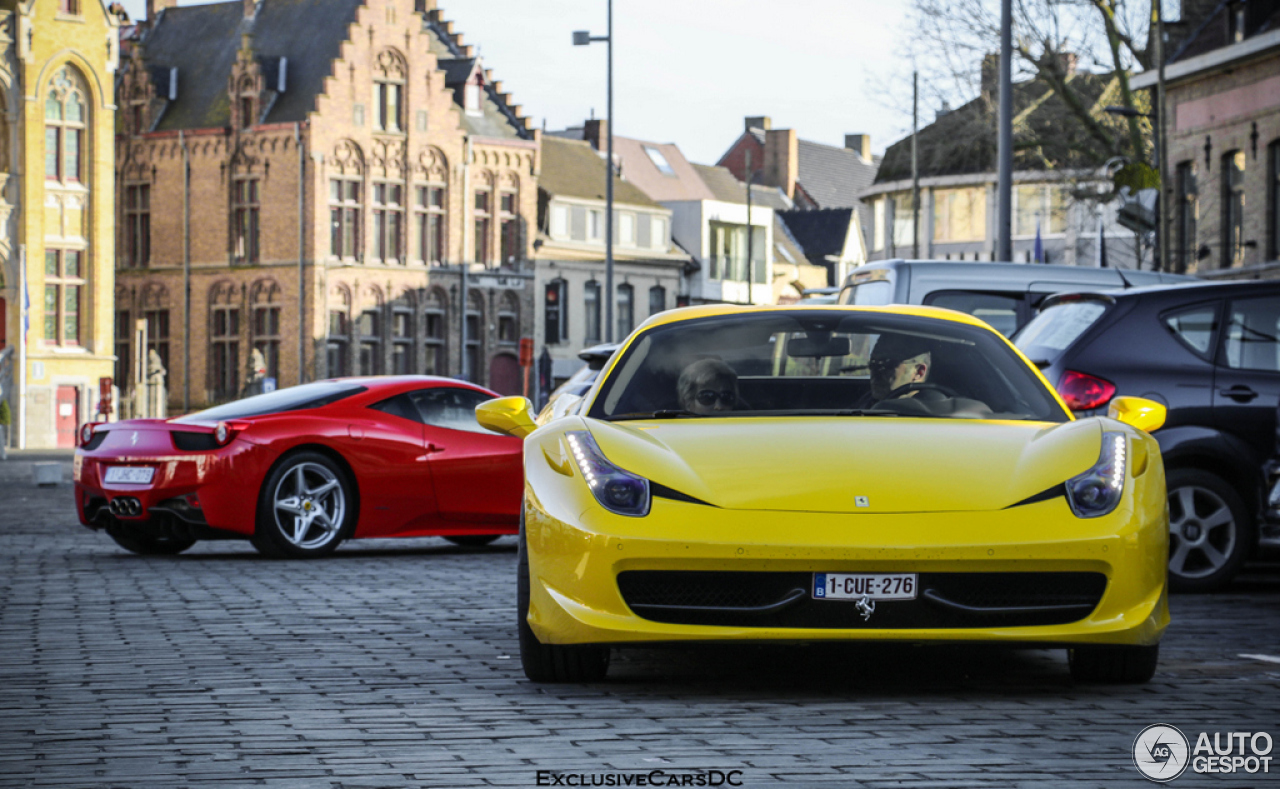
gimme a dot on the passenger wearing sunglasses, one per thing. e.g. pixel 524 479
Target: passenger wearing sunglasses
pixel 898 360
pixel 708 386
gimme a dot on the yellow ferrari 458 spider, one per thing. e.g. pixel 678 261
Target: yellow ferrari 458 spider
pixel 836 473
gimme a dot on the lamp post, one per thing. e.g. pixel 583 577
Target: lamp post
pixel 582 38
pixel 1160 260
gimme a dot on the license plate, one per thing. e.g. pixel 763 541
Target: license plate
pixel 873 586
pixel 131 475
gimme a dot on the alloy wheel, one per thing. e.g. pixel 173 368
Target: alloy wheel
pixel 1202 532
pixel 309 505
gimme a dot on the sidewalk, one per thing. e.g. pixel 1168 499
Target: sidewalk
pixel 16 469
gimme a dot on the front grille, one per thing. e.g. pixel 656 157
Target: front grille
pixel 784 599
pixel 194 442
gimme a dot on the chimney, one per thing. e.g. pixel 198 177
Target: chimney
pixel 991 78
pixel 763 122
pixel 781 160
pixel 596 131
pixel 250 8
pixel 859 144
pixel 154 7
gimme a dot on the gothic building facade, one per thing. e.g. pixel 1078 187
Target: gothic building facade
pixel 318 188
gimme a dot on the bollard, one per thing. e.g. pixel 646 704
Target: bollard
pixel 46 474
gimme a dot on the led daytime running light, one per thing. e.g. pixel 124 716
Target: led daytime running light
pixel 1098 491
pixel 618 491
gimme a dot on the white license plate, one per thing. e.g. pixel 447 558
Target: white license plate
pixel 131 475
pixel 873 586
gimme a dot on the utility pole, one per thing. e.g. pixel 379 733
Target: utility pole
pixel 915 165
pixel 1162 262
pixel 750 228
pixel 1004 185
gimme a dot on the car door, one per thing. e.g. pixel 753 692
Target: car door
pixel 478 474
pixel 388 453
pixel 1247 376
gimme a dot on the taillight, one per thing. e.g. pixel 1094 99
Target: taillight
pixel 1083 392
pixel 225 431
pixel 86 432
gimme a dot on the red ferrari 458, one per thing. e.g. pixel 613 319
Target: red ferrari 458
pixel 299 470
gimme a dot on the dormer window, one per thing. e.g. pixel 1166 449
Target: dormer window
pixel 389 101
pixel 388 92
pixel 69 7
pixel 473 93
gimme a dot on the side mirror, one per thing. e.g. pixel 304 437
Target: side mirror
pixel 1139 412
pixel 510 416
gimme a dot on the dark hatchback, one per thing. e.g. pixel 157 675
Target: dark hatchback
pixel 1210 354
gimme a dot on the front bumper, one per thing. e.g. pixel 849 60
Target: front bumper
pixel 575 562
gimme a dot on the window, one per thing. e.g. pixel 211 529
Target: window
pixel 137 225
pixel 344 218
pixel 559 221
pixel 430 218
pixel 1036 206
pixel 266 328
pixel 510 228
pixel 357 115
pixel 659 160
pixel 449 407
pixel 626 310
pixel 1187 211
pixel 370 329
pixel 245 212
pixel 225 338
pixel 627 229
pixel 388 222
pixel 483 220
pixel 1000 311
pixel 475 337
pixel 65 116
pixel 657 299
pixel 658 233
pixel 1233 201
pixel 401 342
pixel 877 229
pixel 903 223
pixel 388 102
pixel 556 326
pixel 509 319
pixel 433 326
pixel 595 224
pixel 729 252
pixel 246 111
pixel 591 311
pixel 1253 334
pixel 1273 198
pixel 337 355
pixel 69 7
pixel 124 331
pixel 1195 327
pixel 473 93
pixel 64 282
pixel 158 335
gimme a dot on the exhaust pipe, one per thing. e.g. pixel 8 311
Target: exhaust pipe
pixel 126 507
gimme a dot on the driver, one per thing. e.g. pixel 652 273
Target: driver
pixel 708 386
pixel 898 360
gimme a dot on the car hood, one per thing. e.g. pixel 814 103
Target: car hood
pixel 853 464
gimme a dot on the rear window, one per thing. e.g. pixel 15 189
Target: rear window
pixel 1049 333
pixel 295 398
pixel 999 310
pixel 875 293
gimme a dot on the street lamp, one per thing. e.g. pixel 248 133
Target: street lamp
pixel 582 38
pixel 1159 258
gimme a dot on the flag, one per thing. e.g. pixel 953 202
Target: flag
pixel 1039 247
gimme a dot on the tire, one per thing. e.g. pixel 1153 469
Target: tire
pixel 305 508
pixel 1210 531
pixel 471 540
pixel 138 542
pixel 551 663
pixel 1114 665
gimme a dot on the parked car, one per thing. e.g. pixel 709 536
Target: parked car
pixel 578 383
pixel 722 482
pixel 1209 352
pixel 299 470
pixel 812 296
pixel 1004 295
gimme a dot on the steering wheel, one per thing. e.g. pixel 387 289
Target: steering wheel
pixel 920 387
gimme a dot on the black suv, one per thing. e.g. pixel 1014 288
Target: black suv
pixel 1210 354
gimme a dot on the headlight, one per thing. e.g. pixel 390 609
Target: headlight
pixel 1273 501
pixel 616 490
pixel 1097 491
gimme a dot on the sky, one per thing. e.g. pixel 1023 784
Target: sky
pixel 689 71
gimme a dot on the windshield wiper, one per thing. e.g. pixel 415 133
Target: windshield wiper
pixel 664 413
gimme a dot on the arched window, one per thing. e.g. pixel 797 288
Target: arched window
pixel 224 341
pixel 66 116
pixel 657 299
pixel 435 315
pixel 475 337
pixel 626 310
pixel 388 92
pixel 591 311
pixel 402 356
pixel 266 324
pixel 509 319
pixel 337 346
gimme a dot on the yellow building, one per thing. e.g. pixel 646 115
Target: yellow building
pixel 57 209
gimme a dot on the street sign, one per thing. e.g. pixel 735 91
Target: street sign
pixel 497 282
pixel 104 395
pixel 526 351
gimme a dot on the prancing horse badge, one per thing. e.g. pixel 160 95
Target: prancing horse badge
pixel 866 607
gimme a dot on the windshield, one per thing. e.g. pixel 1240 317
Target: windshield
pixel 295 398
pixel 1049 333
pixel 822 363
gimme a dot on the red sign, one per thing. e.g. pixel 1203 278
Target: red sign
pixel 104 395
pixel 526 351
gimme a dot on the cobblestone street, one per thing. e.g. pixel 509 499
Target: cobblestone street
pixel 394 664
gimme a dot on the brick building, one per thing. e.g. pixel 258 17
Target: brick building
pixel 322 182
pixel 57 62
pixel 1222 100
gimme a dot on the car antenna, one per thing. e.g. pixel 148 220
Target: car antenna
pixel 1124 279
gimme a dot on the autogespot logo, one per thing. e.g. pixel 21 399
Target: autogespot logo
pixel 1160 752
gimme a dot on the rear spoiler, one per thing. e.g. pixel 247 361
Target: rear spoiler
pixel 1067 298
